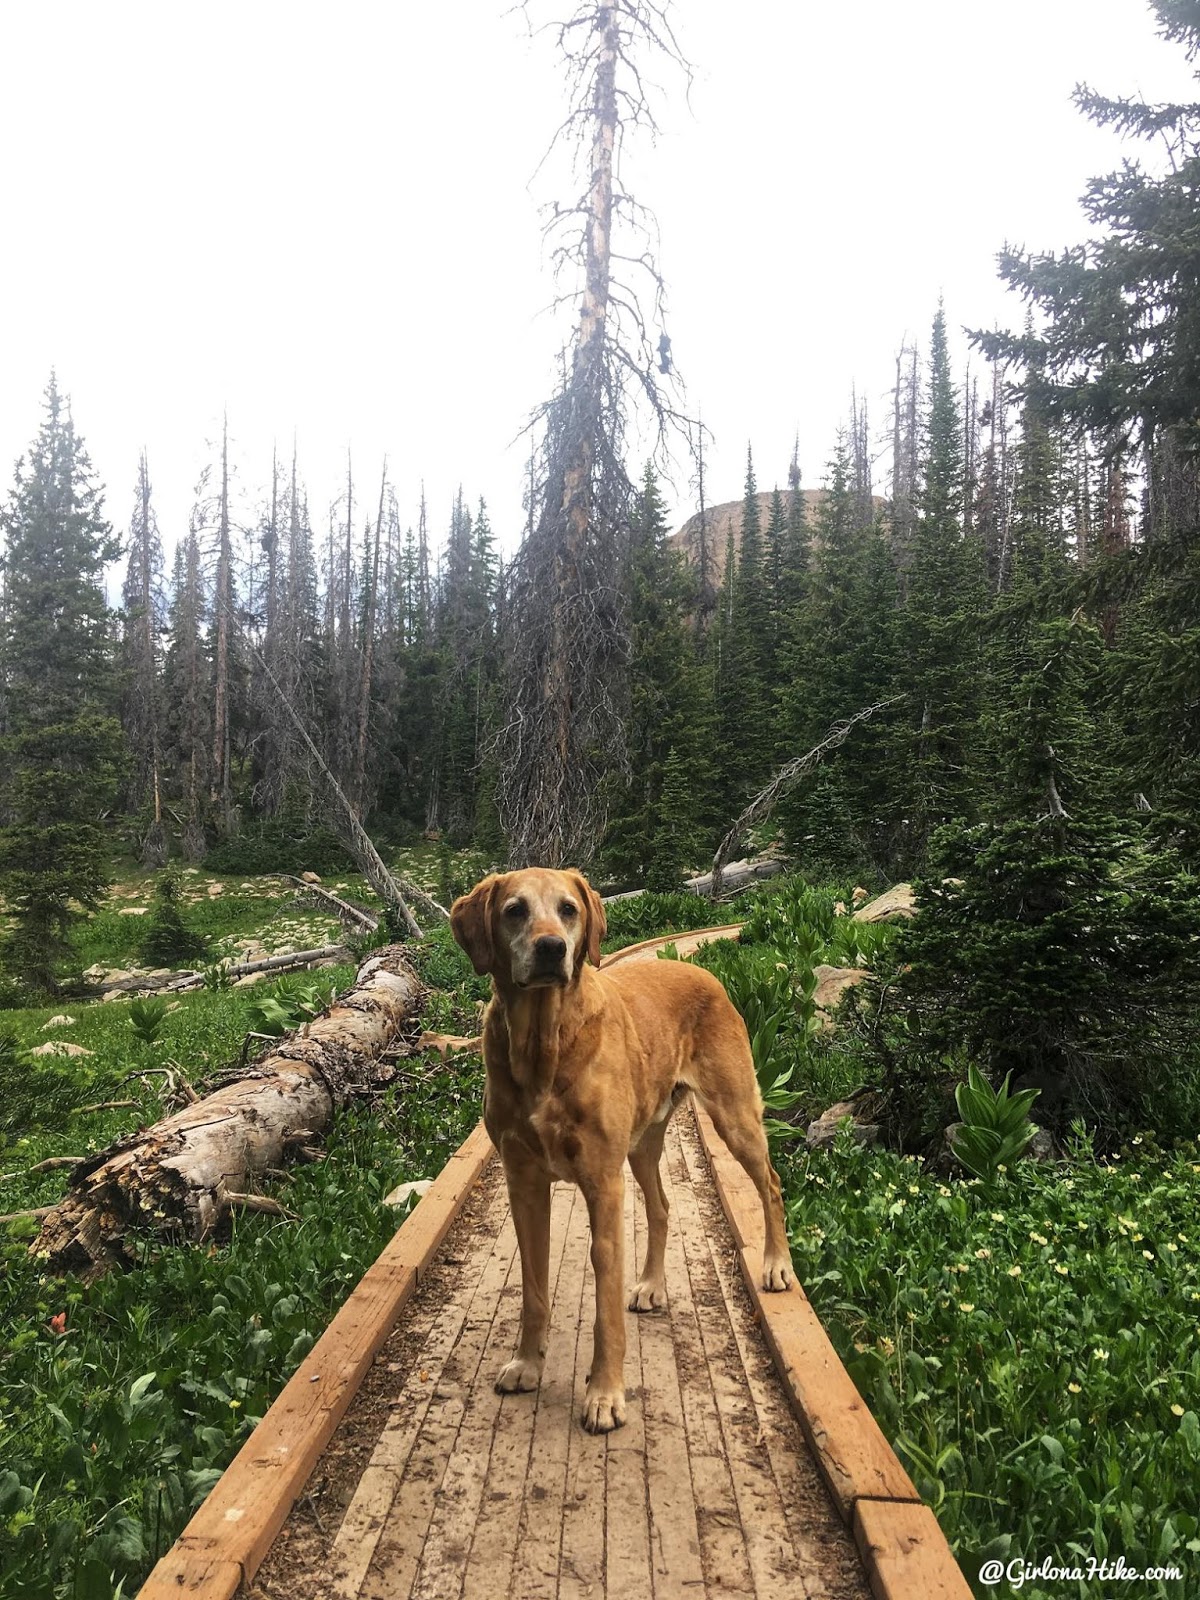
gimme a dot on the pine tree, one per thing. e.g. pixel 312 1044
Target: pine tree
pixel 187 692
pixel 63 750
pixel 142 696
pixel 655 823
pixel 1055 942
pixel 944 596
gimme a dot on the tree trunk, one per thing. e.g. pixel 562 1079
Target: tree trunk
pixel 182 1177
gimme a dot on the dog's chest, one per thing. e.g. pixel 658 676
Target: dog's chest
pixel 558 1132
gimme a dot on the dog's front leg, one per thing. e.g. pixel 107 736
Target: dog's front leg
pixel 604 1403
pixel 529 1196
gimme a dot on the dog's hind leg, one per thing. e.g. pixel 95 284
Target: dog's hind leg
pixel 529 1196
pixel 650 1291
pixel 739 1122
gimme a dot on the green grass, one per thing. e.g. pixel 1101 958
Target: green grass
pixel 1031 1350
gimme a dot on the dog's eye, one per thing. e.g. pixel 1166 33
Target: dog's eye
pixel 516 911
pixel 568 910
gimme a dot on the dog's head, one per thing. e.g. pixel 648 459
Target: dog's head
pixel 533 929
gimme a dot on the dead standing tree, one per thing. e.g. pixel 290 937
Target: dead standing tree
pixel 565 644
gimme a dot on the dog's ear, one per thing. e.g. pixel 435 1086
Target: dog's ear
pixel 471 923
pixel 597 922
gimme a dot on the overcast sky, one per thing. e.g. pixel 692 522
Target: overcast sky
pixel 325 218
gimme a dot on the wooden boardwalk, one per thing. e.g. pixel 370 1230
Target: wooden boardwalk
pixel 709 1489
pixel 388 1467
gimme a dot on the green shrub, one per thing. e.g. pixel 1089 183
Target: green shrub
pixel 167 942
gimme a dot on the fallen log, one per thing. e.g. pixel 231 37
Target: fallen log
pixel 172 982
pixel 180 1178
pixel 734 876
pixel 344 908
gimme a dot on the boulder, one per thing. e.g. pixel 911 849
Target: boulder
pixel 309 877
pixel 133 911
pixel 823 1131
pixel 832 983
pixel 62 1020
pixel 898 901
pixel 60 1047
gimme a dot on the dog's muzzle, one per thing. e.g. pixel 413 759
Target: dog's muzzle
pixel 549 958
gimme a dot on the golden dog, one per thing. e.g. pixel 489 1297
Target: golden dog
pixel 584 1069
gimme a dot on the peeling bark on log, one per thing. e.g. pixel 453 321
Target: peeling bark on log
pixel 179 1178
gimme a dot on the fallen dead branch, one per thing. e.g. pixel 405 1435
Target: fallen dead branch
pixel 344 909
pixel 764 801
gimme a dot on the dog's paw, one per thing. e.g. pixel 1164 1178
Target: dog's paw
pixel 519 1376
pixel 778 1275
pixel 603 1409
pixel 648 1296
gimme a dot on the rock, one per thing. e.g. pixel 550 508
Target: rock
pixel 96 972
pixel 133 911
pixel 62 1020
pixel 1041 1147
pixel 832 983
pixel 115 994
pixel 250 978
pixel 309 877
pixel 115 975
pixel 898 901
pixel 214 889
pixel 822 1132
pixel 400 1195
pixel 60 1047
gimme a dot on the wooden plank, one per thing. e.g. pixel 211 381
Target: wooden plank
pixel 827 1562
pixel 539 1543
pixel 854 1456
pixel 677 1572
pixel 494 1542
pixel 719 1532
pixel 760 1508
pixel 905 1552
pixel 236 1524
pixel 459 1495
pixel 358 1537
pixel 581 1561
pixel 401 1547
pixel 627 1516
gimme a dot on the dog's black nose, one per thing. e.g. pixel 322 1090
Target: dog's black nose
pixel 549 948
